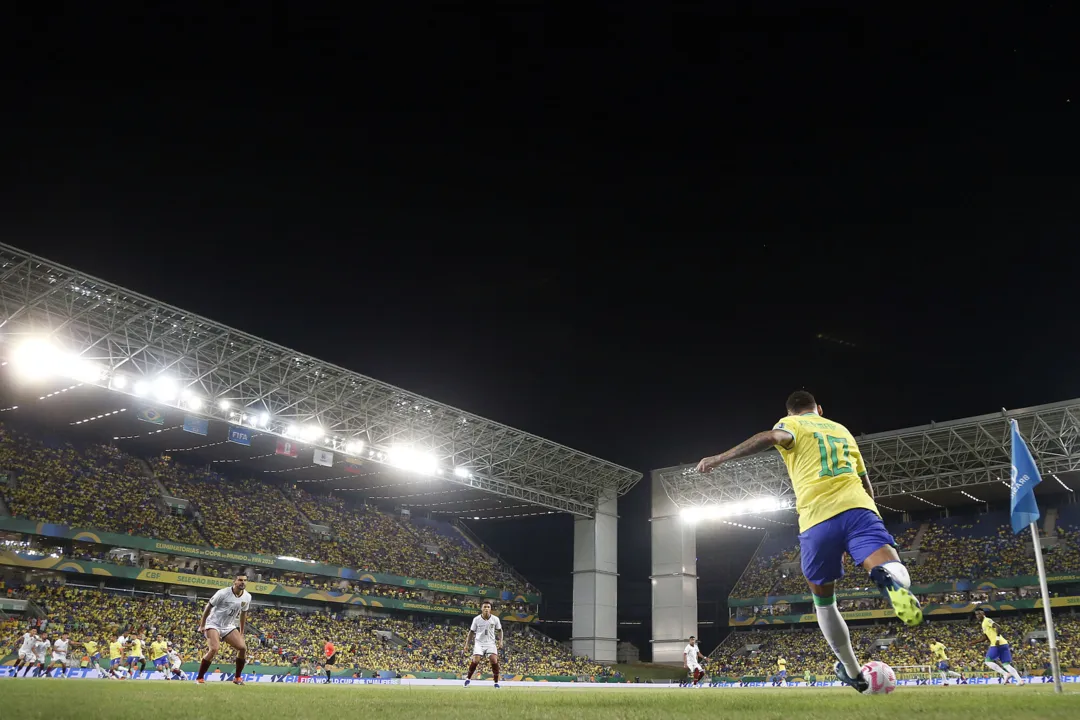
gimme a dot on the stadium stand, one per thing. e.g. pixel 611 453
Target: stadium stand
pixel 951 549
pixel 100 487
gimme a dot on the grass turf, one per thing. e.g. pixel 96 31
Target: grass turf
pixel 29 699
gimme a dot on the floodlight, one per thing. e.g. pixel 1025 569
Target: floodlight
pixel 142 388
pixel 462 472
pixel 407 458
pixel 165 388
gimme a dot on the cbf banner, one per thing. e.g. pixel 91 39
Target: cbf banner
pixel 240 435
pixel 287 448
pixel 199 426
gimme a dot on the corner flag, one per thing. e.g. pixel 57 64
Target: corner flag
pixel 1025 476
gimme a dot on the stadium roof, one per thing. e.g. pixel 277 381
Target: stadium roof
pixel 944 464
pixel 116 348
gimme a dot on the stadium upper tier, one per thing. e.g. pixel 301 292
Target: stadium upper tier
pixel 282 637
pixel 948 549
pixel 102 488
pixel 754 652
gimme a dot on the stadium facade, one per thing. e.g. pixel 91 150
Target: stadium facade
pixel 94 346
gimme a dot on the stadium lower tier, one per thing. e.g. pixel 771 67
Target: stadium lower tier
pixel 755 653
pixel 286 637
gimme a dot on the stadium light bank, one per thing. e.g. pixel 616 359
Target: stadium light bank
pixel 700 513
pixel 38 359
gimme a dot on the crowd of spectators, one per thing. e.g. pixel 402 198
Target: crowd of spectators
pixel 285 637
pixel 101 488
pixel 95 486
pixel 947 552
pixel 807 652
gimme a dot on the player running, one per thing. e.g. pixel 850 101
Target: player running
pixel 224 619
pixel 837 513
pixel 159 654
pixel 41 648
pixel 175 661
pixel 937 649
pixel 136 655
pixel 93 652
pixel 781 672
pixel 487 631
pixel 690 654
pixel 116 658
pixel 26 655
pixel 59 655
pixel 998 651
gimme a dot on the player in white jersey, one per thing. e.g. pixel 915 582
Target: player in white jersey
pixel 486 634
pixel 691 653
pixel 41 649
pixel 175 661
pixel 26 651
pixel 224 619
pixel 59 655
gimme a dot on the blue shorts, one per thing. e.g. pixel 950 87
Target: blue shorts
pixel 999 653
pixel 114 662
pixel 860 532
pixel 943 666
pixel 782 674
pixel 95 657
pixel 160 662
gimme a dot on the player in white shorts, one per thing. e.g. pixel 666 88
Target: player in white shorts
pixel 691 653
pixel 59 655
pixel 26 651
pixel 224 619
pixel 41 649
pixel 486 630
pixel 174 660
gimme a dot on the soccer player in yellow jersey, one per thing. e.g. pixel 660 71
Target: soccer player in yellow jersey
pixel 116 658
pixel 94 653
pixel 999 649
pixel 136 656
pixel 835 501
pixel 937 649
pixel 159 654
pixel 781 672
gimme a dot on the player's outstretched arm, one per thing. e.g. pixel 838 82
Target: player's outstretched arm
pixel 500 637
pixel 758 443
pixel 868 486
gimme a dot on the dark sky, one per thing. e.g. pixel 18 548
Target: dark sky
pixel 632 232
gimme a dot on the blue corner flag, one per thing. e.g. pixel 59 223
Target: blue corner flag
pixel 1025 476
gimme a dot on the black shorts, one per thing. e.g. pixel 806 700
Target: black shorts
pixel 332 660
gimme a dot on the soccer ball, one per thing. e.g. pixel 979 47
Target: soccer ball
pixel 880 676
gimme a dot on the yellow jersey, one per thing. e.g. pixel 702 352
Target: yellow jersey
pixel 826 468
pixel 938 649
pixel 91 648
pixel 781 664
pixel 158 650
pixel 116 651
pixel 136 648
pixel 989 628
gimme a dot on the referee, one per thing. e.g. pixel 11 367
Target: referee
pixel 331 658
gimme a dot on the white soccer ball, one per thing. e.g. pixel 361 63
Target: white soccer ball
pixel 880 676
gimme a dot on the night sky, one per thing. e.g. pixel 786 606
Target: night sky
pixel 631 232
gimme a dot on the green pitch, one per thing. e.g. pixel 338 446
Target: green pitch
pixel 50 699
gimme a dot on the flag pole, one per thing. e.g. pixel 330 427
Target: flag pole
pixel 1055 667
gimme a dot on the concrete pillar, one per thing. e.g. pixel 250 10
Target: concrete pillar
pixel 674 578
pixel 596 577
